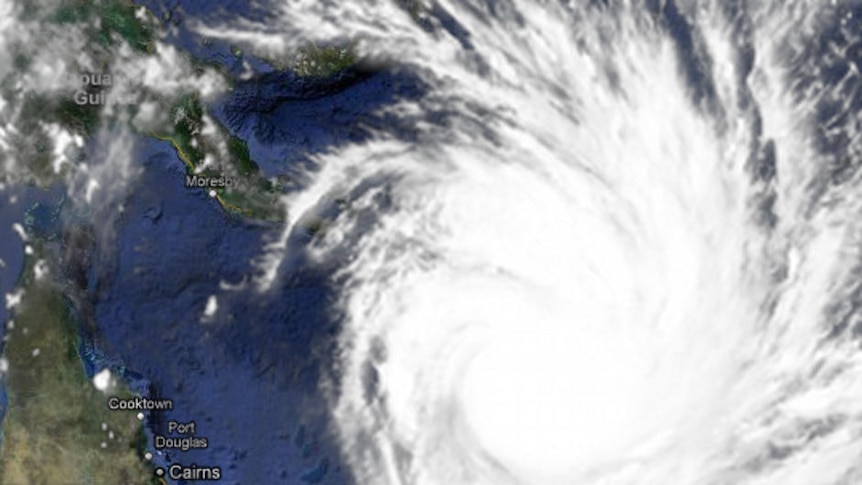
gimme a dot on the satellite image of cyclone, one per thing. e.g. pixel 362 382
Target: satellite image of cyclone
pixel 431 242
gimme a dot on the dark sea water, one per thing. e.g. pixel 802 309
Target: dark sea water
pixel 248 375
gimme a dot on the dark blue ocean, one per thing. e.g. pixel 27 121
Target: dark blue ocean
pixel 249 377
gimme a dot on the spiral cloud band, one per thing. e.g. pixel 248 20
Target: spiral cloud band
pixel 616 248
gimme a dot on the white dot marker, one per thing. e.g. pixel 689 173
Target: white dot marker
pixel 35 352
pixel 104 426
pixel 140 416
pixel 212 193
pixel 148 456
pixel 104 445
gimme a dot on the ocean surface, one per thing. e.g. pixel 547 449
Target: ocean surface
pixel 597 242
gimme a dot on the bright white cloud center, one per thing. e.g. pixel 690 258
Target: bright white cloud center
pixel 569 280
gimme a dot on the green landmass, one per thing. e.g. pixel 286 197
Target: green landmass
pixel 57 421
pixel 255 196
pixel 107 20
pixel 322 62
pixel 32 143
pixel 106 24
pixel 311 60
